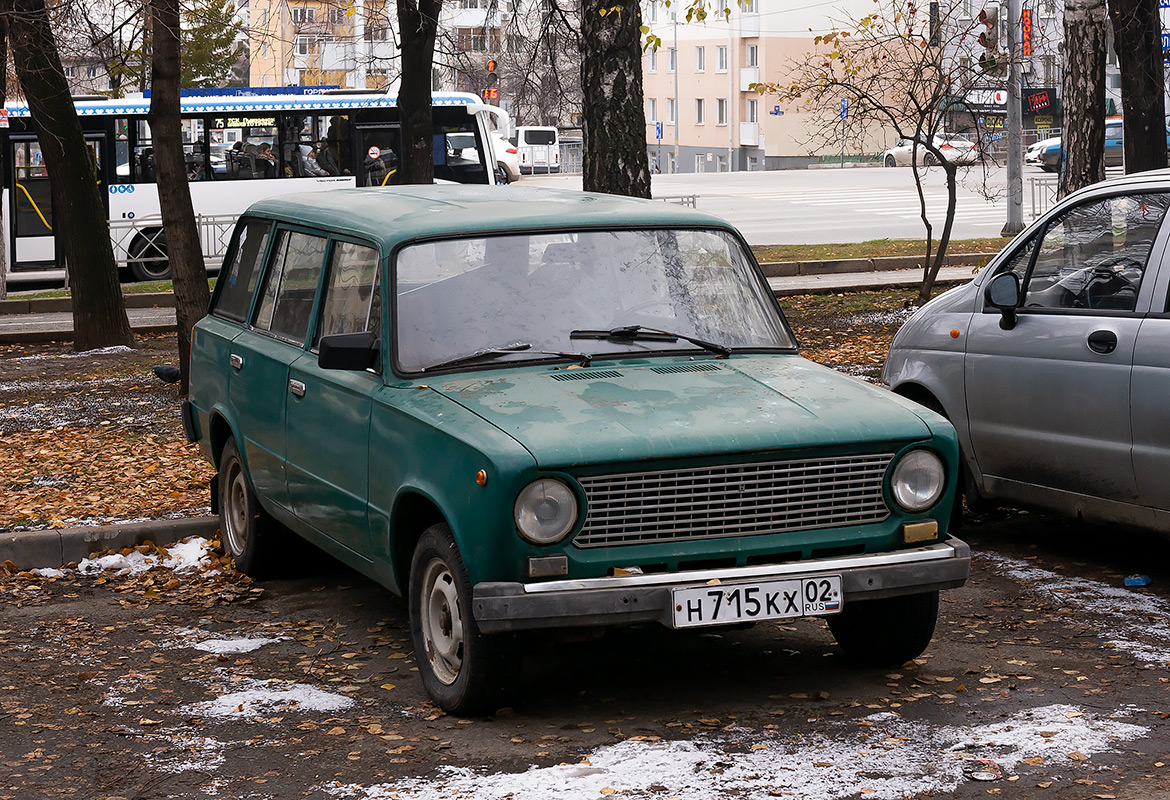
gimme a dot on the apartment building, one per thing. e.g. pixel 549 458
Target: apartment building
pixel 321 43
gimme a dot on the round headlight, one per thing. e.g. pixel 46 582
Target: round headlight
pixel 546 511
pixel 918 480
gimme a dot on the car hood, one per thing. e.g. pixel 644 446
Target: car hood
pixel 656 409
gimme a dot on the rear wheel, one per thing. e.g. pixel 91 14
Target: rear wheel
pixel 247 530
pixel 461 668
pixel 148 256
pixel 891 161
pixel 886 632
pixel 502 176
pixel 929 160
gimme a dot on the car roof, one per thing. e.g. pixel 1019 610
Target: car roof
pixel 392 215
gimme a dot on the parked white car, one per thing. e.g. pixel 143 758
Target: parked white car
pixel 955 149
pixel 507 157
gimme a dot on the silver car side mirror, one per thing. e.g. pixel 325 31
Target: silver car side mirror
pixel 1004 293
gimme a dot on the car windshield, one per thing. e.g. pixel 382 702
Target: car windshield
pixel 458 296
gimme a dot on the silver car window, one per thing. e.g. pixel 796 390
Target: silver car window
pixel 1094 255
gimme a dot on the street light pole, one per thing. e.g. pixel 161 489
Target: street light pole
pixel 1015 133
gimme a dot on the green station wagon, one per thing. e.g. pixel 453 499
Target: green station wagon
pixel 550 409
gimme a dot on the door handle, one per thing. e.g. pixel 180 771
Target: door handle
pixel 297 388
pixel 1103 342
pixel 236 361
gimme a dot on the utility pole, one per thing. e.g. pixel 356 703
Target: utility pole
pixel 1015 133
pixel 677 111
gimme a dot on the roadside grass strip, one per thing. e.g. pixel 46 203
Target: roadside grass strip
pixel 883 756
pixel 1133 622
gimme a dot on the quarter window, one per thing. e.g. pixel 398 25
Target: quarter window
pixel 352 302
pixel 1094 255
pixel 290 286
pixel 239 280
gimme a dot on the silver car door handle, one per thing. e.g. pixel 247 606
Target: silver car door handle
pixel 297 388
pixel 236 361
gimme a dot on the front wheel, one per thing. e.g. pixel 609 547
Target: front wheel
pixel 886 632
pixel 247 530
pixel 891 161
pixel 461 668
pixel 929 160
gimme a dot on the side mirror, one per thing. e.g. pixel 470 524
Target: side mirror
pixel 349 351
pixel 1004 293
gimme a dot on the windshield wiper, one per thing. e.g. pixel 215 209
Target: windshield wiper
pixel 629 333
pixel 487 352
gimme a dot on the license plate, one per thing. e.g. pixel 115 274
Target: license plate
pixel 721 604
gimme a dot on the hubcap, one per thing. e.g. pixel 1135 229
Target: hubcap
pixel 442 622
pixel 235 509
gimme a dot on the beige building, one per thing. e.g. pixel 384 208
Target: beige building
pixel 697 85
pixel 321 43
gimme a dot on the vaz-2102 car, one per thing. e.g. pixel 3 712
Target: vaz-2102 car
pixel 551 409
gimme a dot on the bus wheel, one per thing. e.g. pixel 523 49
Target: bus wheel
pixel 148 254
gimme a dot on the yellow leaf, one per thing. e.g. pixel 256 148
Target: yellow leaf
pixel 386 686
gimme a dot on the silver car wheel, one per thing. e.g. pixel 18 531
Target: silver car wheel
pixel 235 516
pixel 442 622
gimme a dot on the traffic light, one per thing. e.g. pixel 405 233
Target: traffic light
pixel 492 92
pixel 989 59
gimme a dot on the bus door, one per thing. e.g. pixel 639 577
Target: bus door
pixel 378 147
pixel 31 204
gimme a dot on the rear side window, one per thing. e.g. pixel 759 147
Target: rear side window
pixel 352 302
pixel 290 285
pixel 239 280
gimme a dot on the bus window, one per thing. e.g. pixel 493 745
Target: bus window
pixel 380 147
pixel 33 201
pixel 254 151
pixel 457 156
pixel 333 151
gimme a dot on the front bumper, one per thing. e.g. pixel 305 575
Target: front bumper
pixel 502 606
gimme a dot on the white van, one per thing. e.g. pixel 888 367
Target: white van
pixel 539 149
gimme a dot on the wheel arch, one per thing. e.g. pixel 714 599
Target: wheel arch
pixel 413 514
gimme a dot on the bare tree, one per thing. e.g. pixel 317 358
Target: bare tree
pixel 418 22
pixel 615 155
pixel 174 194
pixel 99 311
pixel 1137 36
pixel 1083 134
pixel 898 70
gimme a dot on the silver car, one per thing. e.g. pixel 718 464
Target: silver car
pixel 1053 364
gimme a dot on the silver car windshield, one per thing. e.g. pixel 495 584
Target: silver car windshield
pixel 458 296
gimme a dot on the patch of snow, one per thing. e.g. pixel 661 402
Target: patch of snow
pixel 259 698
pixel 100 351
pixel 48 572
pixel 187 556
pixel 890 758
pixel 201 640
pixel 1131 621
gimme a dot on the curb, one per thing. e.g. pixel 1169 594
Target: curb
pixel 792 269
pixel 876 286
pixel 56 548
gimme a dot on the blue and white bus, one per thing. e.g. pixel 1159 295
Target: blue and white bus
pixel 240 149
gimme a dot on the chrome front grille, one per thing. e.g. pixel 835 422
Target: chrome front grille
pixel 733 500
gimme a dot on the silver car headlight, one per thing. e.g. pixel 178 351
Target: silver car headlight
pixel 918 480
pixel 545 511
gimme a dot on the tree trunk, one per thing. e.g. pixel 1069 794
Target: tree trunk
pixel 1137 32
pixel 418 21
pixel 174 195
pixel 99 311
pixel 615 159
pixel 3 156
pixel 1083 136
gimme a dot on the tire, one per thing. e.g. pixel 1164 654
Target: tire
pixel 891 161
pixel 929 160
pixel 248 533
pixel 887 632
pixel 157 266
pixel 461 668
pixel 502 177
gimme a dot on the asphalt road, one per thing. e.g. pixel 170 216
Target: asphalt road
pixel 1046 676
pixel 817 206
